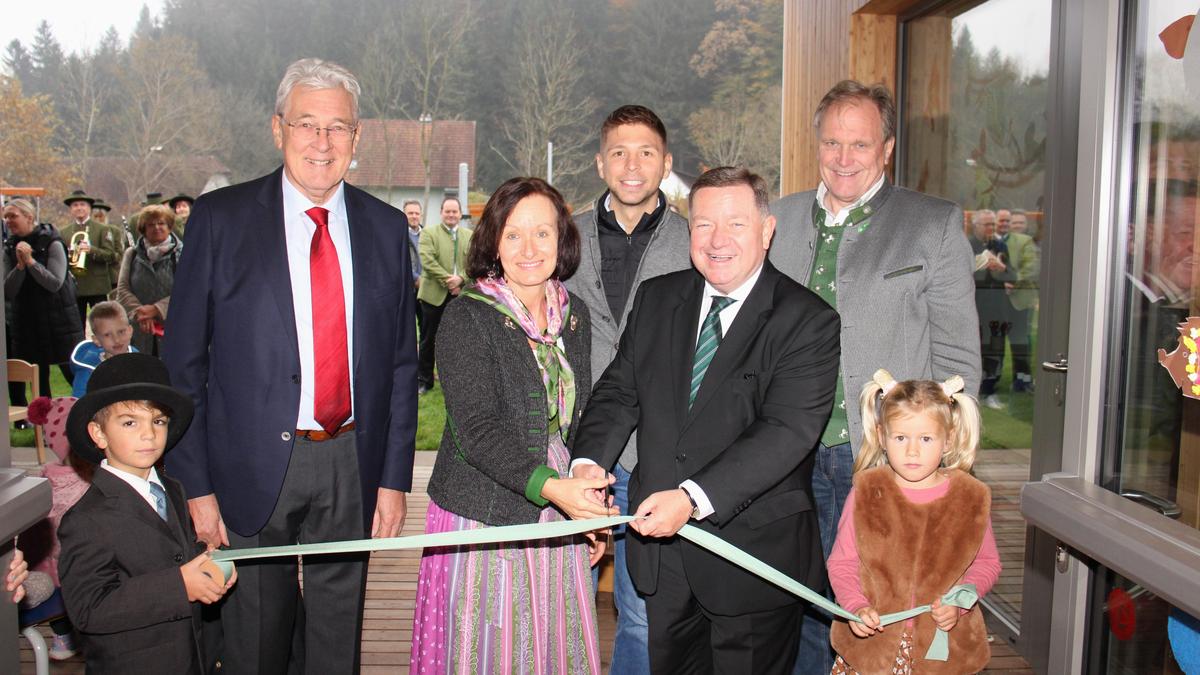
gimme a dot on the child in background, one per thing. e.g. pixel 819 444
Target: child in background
pixel 111 334
pixel 133 574
pixel 40 541
pixel 915 525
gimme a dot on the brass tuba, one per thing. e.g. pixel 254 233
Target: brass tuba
pixel 78 261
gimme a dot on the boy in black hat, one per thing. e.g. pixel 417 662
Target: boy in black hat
pixel 133 575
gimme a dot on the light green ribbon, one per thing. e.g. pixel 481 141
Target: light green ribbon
pixel 963 596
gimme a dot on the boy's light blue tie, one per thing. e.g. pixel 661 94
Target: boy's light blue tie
pixel 160 500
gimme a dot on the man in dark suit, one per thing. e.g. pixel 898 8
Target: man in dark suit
pixel 727 372
pixel 294 336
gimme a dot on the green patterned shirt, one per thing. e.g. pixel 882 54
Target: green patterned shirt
pixel 822 280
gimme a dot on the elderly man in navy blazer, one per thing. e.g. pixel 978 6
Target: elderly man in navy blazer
pixel 291 329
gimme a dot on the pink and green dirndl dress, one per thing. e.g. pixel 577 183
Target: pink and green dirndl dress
pixel 518 608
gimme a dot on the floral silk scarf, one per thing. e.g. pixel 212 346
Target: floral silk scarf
pixel 557 376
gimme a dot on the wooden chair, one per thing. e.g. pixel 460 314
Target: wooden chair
pixel 26 373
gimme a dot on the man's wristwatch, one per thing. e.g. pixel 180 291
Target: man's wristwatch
pixel 695 507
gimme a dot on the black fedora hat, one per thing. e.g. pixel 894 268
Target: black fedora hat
pixel 101 204
pixel 78 196
pixel 181 198
pixel 126 377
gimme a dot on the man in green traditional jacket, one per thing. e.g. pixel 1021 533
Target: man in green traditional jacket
pixel 1026 258
pixel 443 252
pixel 101 252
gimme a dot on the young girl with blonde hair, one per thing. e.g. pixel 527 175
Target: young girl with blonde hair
pixel 916 524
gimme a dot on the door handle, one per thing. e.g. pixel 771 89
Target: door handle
pixel 1059 366
pixel 1164 506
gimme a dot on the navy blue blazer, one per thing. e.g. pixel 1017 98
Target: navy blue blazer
pixel 231 344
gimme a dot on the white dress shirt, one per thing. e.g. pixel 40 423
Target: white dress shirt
pixel 139 484
pixel 836 219
pixel 298 230
pixel 704 506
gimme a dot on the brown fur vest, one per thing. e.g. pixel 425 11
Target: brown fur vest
pixel 910 554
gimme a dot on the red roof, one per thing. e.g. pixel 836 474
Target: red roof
pixel 453 141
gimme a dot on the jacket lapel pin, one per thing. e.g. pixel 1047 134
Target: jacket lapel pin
pixel 509 324
pixel 574 322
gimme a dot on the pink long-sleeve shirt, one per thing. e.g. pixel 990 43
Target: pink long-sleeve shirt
pixel 844 563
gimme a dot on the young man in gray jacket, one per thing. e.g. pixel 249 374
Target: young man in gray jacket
pixel 630 235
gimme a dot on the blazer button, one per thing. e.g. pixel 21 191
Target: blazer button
pixel 178 558
pixel 287 435
pixel 295 379
pixel 681 456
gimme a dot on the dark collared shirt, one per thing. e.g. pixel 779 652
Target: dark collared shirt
pixel 621 253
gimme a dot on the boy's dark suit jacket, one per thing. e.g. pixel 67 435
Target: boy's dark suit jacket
pixel 747 440
pixel 121 581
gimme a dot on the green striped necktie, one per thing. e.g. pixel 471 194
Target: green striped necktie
pixel 707 343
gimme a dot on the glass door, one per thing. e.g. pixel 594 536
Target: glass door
pixel 976 129
pixel 1151 450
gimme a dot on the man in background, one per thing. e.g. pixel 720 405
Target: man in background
pixel 412 211
pixel 1026 260
pixel 101 251
pixel 443 251
pixel 628 236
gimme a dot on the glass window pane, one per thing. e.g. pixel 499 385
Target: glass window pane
pixel 974 132
pixel 1152 446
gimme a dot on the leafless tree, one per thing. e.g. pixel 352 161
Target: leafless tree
pixel 171 115
pixel 84 98
pixel 546 100
pixel 414 66
pixel 735 131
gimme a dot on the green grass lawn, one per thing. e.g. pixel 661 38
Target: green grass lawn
pixel 1013 426
pixel 431 416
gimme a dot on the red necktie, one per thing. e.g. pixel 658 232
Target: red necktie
pixel 331 404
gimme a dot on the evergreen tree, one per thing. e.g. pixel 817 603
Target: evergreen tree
pixel 48 60
pixel 18 62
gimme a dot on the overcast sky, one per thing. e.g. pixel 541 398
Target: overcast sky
pixel 1019 28
pixel 78 24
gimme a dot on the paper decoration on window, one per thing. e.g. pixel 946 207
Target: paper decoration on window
pixel 1181 363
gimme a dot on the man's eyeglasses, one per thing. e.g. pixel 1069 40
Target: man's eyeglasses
pixel 307 131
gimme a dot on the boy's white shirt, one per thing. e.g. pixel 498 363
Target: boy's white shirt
pixel 141 485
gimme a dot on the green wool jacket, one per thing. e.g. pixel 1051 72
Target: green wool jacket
pixel 103 263
pixel 437 261
pixel 1026 257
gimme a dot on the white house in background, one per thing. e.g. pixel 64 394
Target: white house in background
pixel 388 161
pixel 675 187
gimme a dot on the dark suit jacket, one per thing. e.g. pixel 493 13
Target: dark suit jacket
pixel 747 441
pixel 231 345
pixel 496 430
pixel 121 582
